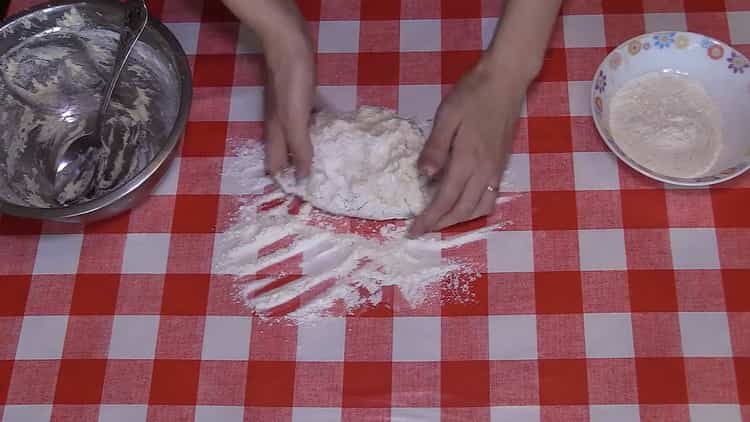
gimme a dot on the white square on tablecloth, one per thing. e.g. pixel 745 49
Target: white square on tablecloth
pixel 187 34
pixel 322 341
pixel 338 37
pixel 515 414
pixel 134 337
pixel 420 35
pixel 58 253
pixel 694 248
pixel 583 31
pixel 419 102
pixel 739 27
pixel 339 97
pixel 510 252
pixel 656 22
pixel 247 41
pixel 246 104
pixel 42 337
pixel 316 414
pixel 243 182
pixel 168 183
pixel 219 413
pixel 615 413
pixel 705 334
pixel 27 412
pixel 488 31
pixel 145 253
pixel 579 98
pixel 226 338
pixel 416 339
pixel 513 337
pixel 595 171
pixel 517 176
pixel 715 413
pixel 409 414
pixel 602 249
pixel 122 413
pixel 608 335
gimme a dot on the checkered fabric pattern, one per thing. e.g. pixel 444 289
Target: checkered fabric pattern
pixel 608 298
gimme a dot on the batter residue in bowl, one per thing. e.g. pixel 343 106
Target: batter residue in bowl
pixel 667 123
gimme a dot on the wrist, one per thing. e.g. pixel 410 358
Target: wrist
pixel 519 65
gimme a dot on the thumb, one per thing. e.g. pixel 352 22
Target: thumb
pixel 434 156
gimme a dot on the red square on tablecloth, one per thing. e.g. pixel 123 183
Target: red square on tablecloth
pixel 581 7
pixel 563 382
pixel 175 382
pixel 10 225
pixel 95 259
pixel 465 383
pixel 558 292
pixel 662 6
pixel 195 214
pixel 730 207
pixel 153 216
pixel 367 384
pixel 705 6
pixel 33 382
pixel 736 289
pixel 733 247
pixel 381 35
pixel 19 253
pixel 80 381
pixel 652 290
pixel 140 294
pixel 742 369
pixel 378 68
pixel 127 381
pixel 452 9
pixel 420 377
pixel 216 12
pixel 87 337
pixel 214 388
pixel 644 209
pixel 474 330
pixel 318 384
pixel 273 341
pixel 582 63
pixel 339 10
pixel 380 9
pixel 461 34
pixel 560 337
pixel 10 330
pixel 656 334
pixel 648 249
pixel 210 104
pixel 612 381
pixel 514 382
pixel 474 290
pixel 511 293
pixel 269 383
pixel 185 294
pixel 599 209
pixel 369 339
pixel 6 369
pixel 14 289
pixel 95 294
pixel 620 28
pixel 50 295
pixel 115 225
pixel 554 210
pixel 216 70
pixel 555 66
pixel 204 139
pixel 556 250
pixel 549 134
pixel 454 64
pixel 218 38
pixel 548 99
pixel 75 413
pixel 622 6
pixel 700 291
pixel 711 380
pixel 249 70
pixel 420 67
pixel 190 253
pixel 605 291
pixel 661 380
pixel 690 208
pixel 713 24
pixel 738 323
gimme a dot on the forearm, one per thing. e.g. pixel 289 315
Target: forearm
pixel 272 20
pixel 522 36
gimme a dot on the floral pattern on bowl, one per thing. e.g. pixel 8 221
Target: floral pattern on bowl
pixel 722 70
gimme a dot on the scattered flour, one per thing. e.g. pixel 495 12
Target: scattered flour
pixel 344 268
pixel 364 165
pixel 667 123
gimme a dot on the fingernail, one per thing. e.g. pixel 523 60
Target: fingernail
pixel 428 171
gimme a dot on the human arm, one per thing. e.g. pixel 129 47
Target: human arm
pixel 290 79
pixel 470 141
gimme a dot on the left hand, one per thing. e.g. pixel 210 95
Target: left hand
pixel 468 147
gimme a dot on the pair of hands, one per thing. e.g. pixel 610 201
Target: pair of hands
pixel 465 153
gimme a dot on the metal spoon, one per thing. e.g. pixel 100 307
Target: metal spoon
pixel 77 159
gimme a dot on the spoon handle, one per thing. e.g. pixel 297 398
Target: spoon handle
pixel 136 18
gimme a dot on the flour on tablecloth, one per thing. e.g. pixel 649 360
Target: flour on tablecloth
pixel 343 268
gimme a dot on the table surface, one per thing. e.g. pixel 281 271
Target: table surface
pixel 608 298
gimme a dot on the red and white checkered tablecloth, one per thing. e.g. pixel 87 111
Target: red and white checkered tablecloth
pixel 609 298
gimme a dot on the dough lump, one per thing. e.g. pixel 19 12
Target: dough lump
pixel 364 165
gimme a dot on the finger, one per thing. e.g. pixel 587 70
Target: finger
pixel 466 206
pixel 486 205
pixel 297 109
pixel 275 147
pixel 435 153
pixel 450 189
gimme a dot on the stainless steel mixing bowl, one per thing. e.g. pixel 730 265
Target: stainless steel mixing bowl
pixel 165 127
